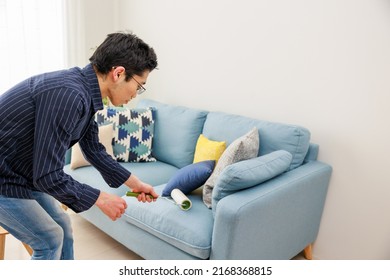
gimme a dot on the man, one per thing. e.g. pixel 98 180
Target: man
pixel 40 119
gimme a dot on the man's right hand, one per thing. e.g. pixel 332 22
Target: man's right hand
pixel 111 205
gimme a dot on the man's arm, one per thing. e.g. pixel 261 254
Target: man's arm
pixel 113 173
pixel 114 206
pixel 111 205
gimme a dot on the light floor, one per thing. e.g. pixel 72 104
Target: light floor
pixel 90 244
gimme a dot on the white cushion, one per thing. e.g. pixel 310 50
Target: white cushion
pixel 105 137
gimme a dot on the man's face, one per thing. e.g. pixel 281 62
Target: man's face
pixel 123 91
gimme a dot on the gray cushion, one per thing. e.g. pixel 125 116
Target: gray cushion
pixel 245 147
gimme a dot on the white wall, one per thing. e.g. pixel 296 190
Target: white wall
pixel 88 23
pixel 321 64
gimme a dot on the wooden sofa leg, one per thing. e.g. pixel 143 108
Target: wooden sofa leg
pixel 3 233
pixel 28 248
pixel 307 252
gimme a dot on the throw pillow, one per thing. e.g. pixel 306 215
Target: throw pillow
pixel 245 147
pixel 249 173
pixel 207 149
pixel 133 132
pixel 190 177
pixel 105 137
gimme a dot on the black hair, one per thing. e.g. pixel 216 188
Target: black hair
pixel 124 49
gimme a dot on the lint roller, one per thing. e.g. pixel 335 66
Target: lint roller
pixel 177 195
pixel 181 199
pixel 135 194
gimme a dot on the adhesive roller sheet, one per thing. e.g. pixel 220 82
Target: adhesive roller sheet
pixel 181 199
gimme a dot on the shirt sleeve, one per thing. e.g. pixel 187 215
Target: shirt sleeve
pixel 112 172
pixel 58 112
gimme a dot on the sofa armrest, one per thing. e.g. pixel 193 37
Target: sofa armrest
pixel 274 220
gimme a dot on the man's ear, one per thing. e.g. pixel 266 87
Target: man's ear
pixel 117 72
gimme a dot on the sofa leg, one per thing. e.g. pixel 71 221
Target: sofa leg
pixel 307 252
pixel 3 233
pixel 28 248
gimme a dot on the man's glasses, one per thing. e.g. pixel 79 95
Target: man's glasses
pixel 141 89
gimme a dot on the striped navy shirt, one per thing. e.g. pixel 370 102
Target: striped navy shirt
pixel 40 119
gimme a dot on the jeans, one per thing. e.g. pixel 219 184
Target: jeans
pixel 41 223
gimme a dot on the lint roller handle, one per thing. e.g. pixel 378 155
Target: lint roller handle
pixel 135 194
pixel 181 199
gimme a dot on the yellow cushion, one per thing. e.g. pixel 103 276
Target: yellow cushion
pixel 207 149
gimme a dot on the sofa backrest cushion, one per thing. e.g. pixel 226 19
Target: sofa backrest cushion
pixel 312 153
pixel 273 136
pixel 176 131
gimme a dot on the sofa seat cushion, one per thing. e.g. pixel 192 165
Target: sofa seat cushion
pixel 154 173
pixel 189 231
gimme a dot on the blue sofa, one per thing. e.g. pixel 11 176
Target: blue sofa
pixel 276 219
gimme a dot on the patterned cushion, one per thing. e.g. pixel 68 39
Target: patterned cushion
pixel 132 132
